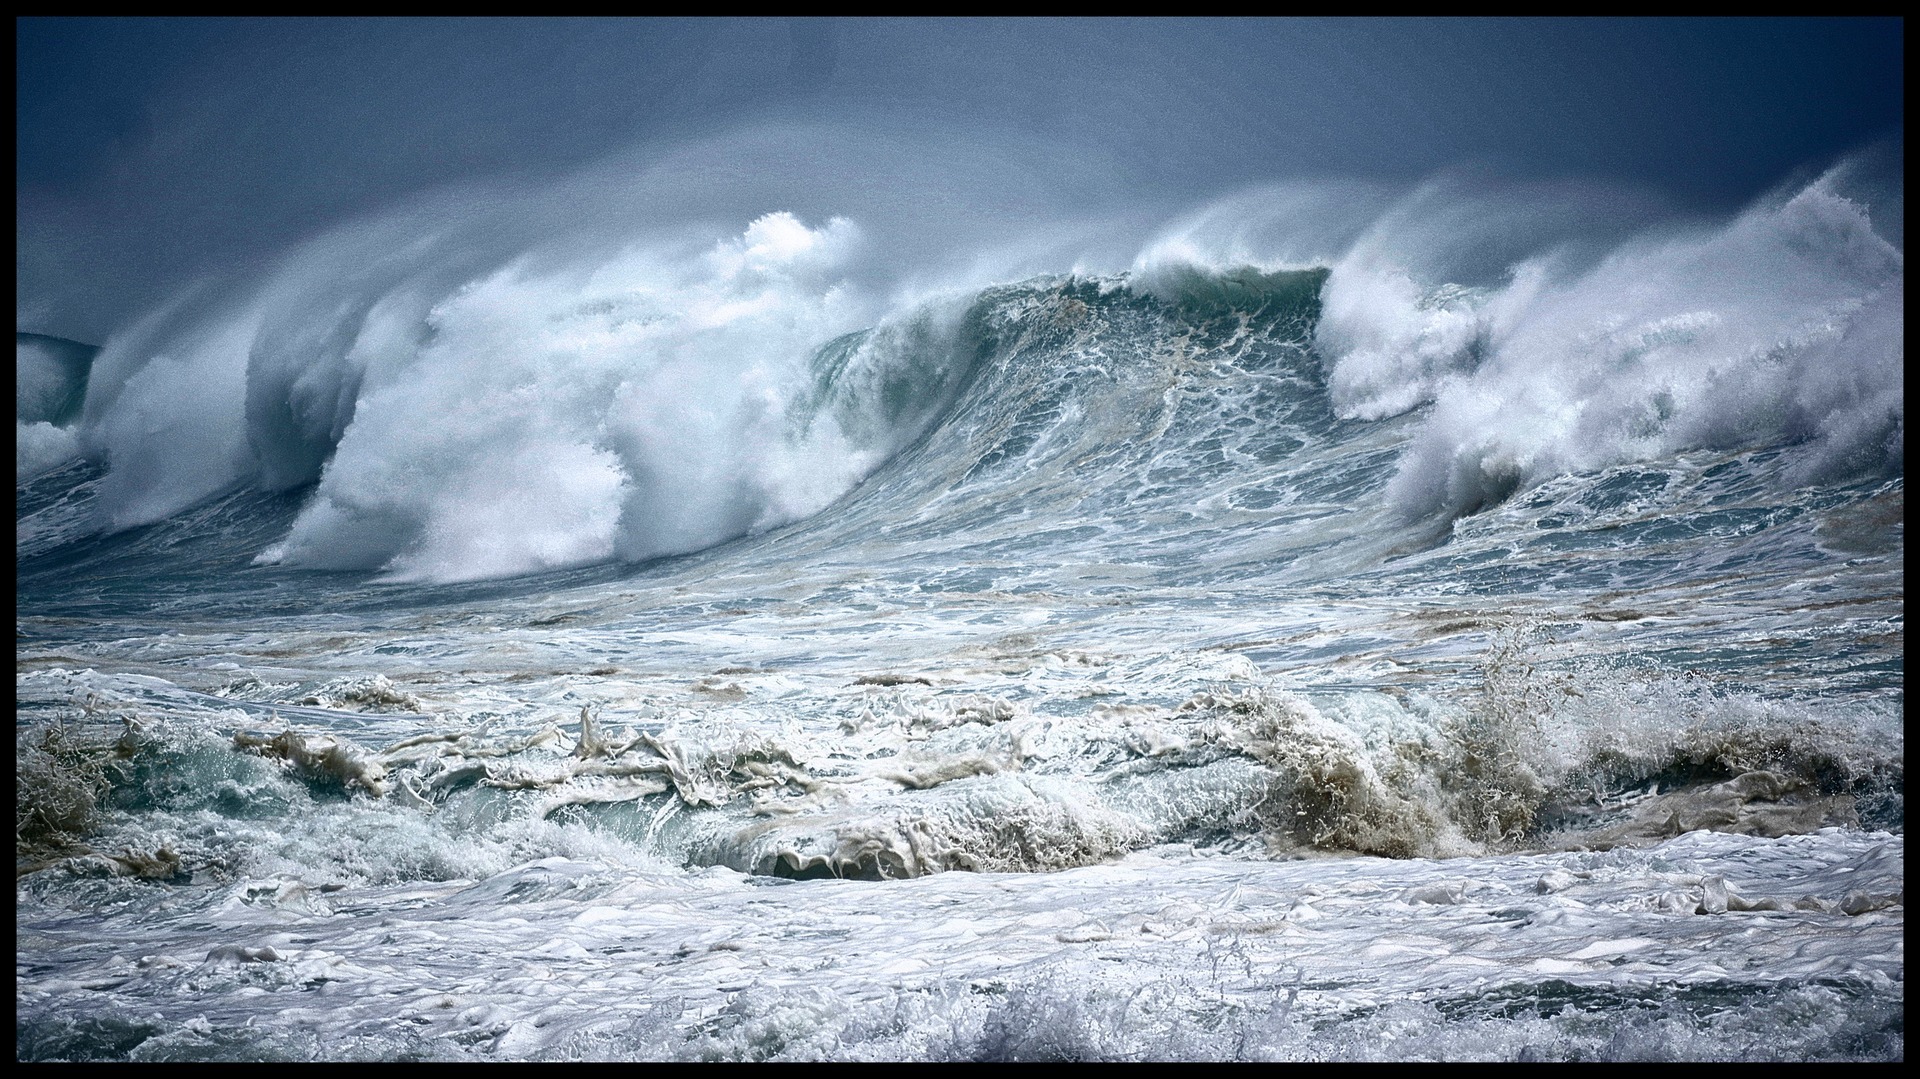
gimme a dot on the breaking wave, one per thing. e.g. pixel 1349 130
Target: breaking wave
pixel 458 398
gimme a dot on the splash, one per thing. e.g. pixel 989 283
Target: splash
pixel 1782 327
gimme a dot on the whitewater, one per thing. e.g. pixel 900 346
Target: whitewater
pixel 1338 621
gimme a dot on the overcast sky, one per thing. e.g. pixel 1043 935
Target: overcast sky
pixel 151 152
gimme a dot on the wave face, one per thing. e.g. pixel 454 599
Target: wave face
pixel 50 376
pixel 664 609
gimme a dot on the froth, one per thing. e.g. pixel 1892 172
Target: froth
pixel 41 447
pixel 628 409
pixel 1779 327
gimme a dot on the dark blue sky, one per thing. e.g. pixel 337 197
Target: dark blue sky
pixel 151 152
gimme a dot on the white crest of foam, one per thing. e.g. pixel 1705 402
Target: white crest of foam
pixel 1289 226
pixel 41 447
pixel 564 416
pixel 1782 326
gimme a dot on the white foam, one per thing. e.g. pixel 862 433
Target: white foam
pixel 1781 326
pixel 1287 226
pixel 626 409
pixel 1162 956
pixel 41 447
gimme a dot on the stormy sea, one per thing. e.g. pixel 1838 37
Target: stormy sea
pixel 1361 622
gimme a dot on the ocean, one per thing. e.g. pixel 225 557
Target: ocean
pixel 1472 638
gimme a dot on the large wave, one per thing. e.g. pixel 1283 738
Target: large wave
pixel 1782 326
pixel 484 392
pixel 50 385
